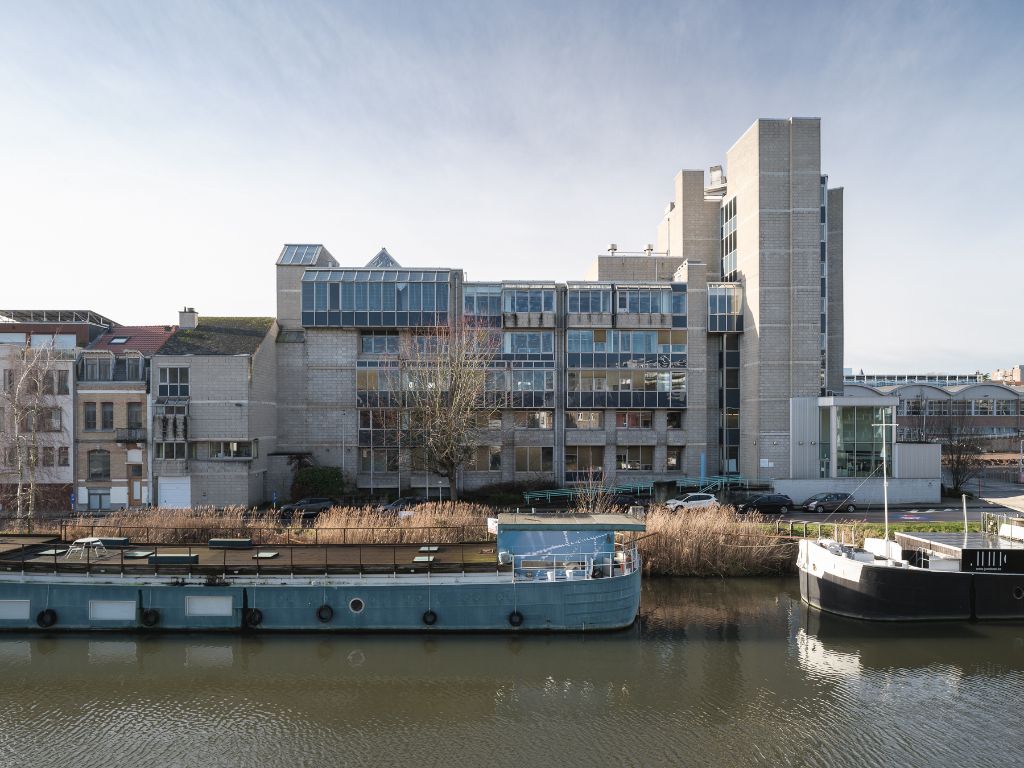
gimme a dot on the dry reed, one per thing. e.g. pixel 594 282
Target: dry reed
pixel 712 541
pixel 442 524
pixel 698 542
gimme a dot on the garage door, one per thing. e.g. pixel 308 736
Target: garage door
pixel 174 492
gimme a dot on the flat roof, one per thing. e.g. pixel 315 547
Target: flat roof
pixel 511 521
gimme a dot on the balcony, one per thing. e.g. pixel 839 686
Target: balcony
pixel 131 435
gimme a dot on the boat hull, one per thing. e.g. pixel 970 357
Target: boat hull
pixel 858 590
pixel 389 604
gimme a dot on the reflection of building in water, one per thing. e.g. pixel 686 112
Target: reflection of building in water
pixel 816 659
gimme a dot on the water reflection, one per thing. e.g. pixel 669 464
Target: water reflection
pixel 716 673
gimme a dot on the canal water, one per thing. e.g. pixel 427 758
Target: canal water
pixel 716 673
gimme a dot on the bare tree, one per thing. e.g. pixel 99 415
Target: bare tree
pixel 961 448
pixel 445 381
pixel 32 425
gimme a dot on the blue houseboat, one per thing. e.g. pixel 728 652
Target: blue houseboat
pixel 569 573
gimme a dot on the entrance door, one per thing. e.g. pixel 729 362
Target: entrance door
pixel 134 485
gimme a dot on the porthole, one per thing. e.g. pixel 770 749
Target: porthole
pixel 356 605
pixel 1018 593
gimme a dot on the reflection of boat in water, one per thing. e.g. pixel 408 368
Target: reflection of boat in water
pixel 920 576
pixel 544 573
pixel 830 644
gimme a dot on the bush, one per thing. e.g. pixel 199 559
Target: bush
pixel 319 481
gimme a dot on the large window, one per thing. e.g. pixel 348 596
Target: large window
pixel 173 382
pixel 99 465
pixel 643 300
pixel 375 298
pixel 617 342
pixel 379 343
pixel 633 419
pixel 96 368
pixel 169 451
pixel 528 300
pixel 859 442
pixel 525 380
pixel 533 459
pixel 233 449
pixel 134 415
pixel 528 343
pixel 725 307
pixel 584 419
pixel 634 458
pixel 583 462
pixel 535 419
pixel 485 458
pixel 378 459
pixel 106 416
pixel 587 300
pixel 482 304
pixel 674 459
pixel 488 419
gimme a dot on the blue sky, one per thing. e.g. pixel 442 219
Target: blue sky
pixel 158 154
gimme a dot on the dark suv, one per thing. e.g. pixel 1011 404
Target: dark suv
pixel 310 507
pixel 830 502
pixel 767 502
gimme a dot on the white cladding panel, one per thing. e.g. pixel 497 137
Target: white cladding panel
pixel 14 609
pixel 111 610
pixel 208 606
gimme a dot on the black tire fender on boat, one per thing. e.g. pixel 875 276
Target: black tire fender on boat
pixel 150 617
pixel 515 619
pixel 253 617
pixel 429 618
pixel 324 613
pixel 597 572
pixel 46 618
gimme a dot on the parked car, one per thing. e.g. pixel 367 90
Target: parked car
pixel 830 502
pixel 767 502
pixel 403 504
pixel 691 501
pixel 309 507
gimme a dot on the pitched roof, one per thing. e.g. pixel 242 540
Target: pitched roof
pixel 383 260
pixel 219 336
pixel 146 339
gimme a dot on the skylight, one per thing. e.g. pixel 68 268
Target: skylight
pixel 119 340
pixel 299 254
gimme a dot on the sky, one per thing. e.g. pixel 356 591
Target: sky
pixel 156 155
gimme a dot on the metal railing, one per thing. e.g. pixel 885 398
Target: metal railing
pixel 131 435
pixel 575 566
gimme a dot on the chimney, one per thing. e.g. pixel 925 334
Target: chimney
pixel 188 318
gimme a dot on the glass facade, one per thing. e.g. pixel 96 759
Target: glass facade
pixel 528 300
pixel 728 215
pixel 859 439
pixel 375 298
pixel 643 300
pixel 589 300
pixel 725 307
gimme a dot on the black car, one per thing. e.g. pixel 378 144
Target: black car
pixel 830 502
pixel 403 503
pixel 309 507
pixel 767 502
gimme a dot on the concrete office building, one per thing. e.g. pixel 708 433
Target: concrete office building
pixel 678 360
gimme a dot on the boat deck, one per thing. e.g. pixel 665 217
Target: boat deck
pixel 954 544
pixel 48 554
